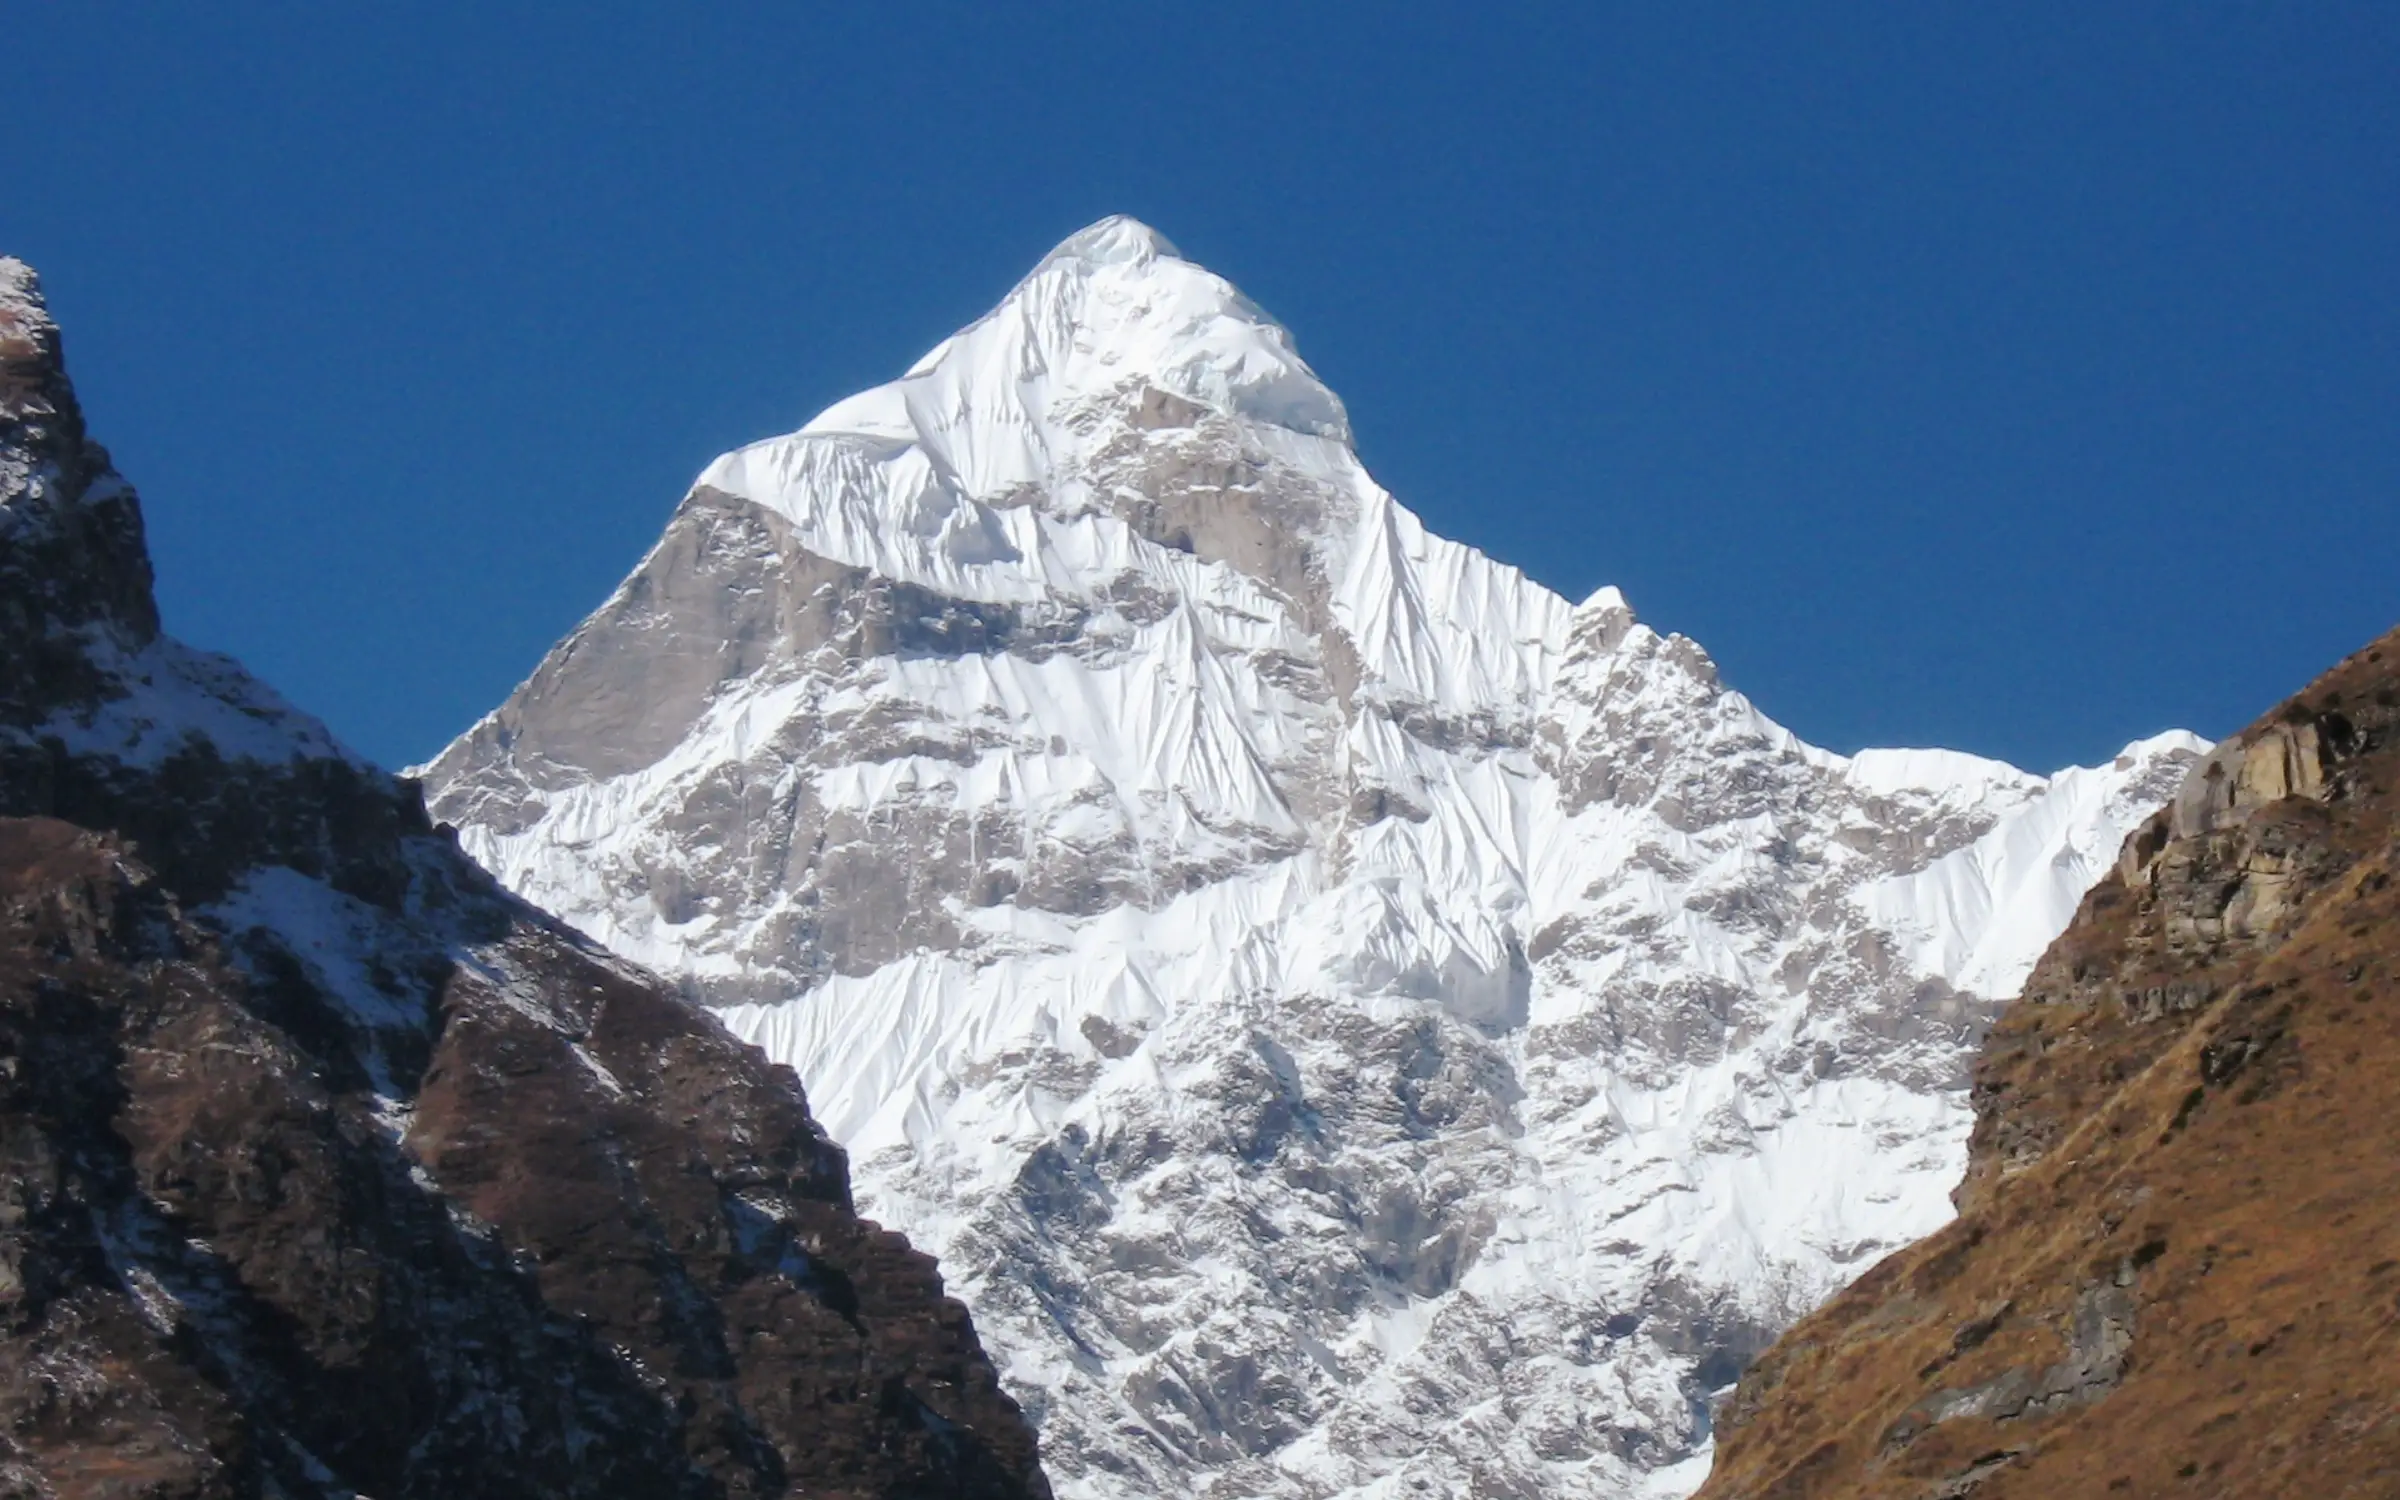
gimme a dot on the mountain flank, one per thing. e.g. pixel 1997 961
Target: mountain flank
pixel 329 1169
pixel 2176 1266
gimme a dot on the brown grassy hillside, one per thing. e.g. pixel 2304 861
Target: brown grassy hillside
pixel 2176 1269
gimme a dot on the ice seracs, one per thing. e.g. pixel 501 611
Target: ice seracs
pixel 1352 1022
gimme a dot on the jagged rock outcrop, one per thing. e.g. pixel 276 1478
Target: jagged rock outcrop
pixel 1351 1021
pixel 2176 1269
pixel 328 1169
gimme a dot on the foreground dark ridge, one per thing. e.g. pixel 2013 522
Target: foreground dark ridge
pixel 2176 1269
pixel 326 1169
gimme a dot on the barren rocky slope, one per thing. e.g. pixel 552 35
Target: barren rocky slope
pixel 2176 1270
pixel 327 1169
pixel 1352 1021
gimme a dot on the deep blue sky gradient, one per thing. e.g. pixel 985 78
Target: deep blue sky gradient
pixel 2018 378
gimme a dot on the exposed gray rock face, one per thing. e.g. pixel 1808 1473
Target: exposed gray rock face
pixel 1356 1023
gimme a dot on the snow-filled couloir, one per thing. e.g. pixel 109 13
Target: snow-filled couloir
pixel 1350 1021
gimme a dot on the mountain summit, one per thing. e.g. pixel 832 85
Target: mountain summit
pixel 1353 1021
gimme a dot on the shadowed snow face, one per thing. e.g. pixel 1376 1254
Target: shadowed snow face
pixel 1344 1015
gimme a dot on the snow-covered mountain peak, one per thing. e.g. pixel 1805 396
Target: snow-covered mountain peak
pixel 1117 239
pixel 1357 1023
pixel 1113 319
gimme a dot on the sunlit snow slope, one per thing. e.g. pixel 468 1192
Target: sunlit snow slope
pixel 1351 1021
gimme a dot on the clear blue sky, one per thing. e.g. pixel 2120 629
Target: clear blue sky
pixel 2019 378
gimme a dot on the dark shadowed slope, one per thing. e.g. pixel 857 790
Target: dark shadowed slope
pixel 2177 1265
pixel 327 1169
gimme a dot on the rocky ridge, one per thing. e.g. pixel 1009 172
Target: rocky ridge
pixel 2174 1268
pixel 1352 1022
pixel 333 1170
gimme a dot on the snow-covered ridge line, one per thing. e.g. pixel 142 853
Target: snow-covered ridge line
pixel 1352 1022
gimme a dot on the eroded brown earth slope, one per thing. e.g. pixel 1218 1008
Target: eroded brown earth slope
pixel 328 1170
pixel 2176 1269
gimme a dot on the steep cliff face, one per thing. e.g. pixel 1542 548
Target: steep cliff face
pixel 1351 1021
pixel 2176 1268
pixel 329 1169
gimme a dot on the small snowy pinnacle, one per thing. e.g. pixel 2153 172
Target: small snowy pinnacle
pixel 1117 238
